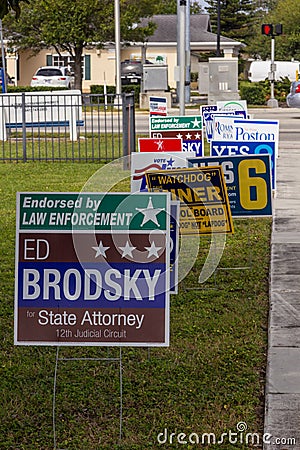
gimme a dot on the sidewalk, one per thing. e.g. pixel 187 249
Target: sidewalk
pixel 282 410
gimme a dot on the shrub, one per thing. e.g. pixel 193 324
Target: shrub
pixel 258 93
pixel 136 88
pixel 253 93
pixel 111 90
pixel 16 89
pixel 99 89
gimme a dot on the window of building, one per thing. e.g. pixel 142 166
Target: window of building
pixel 67 61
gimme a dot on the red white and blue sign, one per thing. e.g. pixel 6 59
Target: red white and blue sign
pixel 160 145
pixel 187 128
pixel 92 269
pixel 144 162
pixel 157 106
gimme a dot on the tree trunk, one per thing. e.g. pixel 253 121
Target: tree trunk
pixel 78 67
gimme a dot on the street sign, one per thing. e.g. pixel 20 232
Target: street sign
pixel 92 269
pixel 204 207
pixel 248 181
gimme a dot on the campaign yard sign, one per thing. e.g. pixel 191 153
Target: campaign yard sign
pixel 245 137
pixel 143 161
pixel 160 145
pixel 204 205
pixel 248 181
pixel 174 246
pixel 92 269
pixel 208 120
pixel 232 105
pixel 158 106
pixel 187 128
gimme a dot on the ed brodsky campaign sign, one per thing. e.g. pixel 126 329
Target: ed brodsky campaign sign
pixel 92 269
pixel 187 128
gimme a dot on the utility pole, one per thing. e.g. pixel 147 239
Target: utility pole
pixel 187 53
pixel 118 48
pixel 4 87
pixel 218 52
pixel 272 102
pixel 269 30
pixel 182 59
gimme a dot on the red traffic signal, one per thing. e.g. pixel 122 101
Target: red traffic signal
pixel 267 29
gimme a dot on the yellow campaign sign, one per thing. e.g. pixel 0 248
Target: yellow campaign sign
pixel 204 204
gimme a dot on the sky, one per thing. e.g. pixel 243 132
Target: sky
pixel 202 3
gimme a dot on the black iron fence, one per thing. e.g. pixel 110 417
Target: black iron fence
pixel 66 126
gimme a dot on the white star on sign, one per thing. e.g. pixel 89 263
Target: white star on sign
pixel 196 123
pixel 197 136
pixel 150 213
pixel 179 136
pixel 153 250
pixel 127 250
pixel 160 145
pixel 100 250
pixel 188 136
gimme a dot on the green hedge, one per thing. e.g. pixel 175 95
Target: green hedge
pixel 12 89
pixel 111 90
pixel 253 93
pixel 258 93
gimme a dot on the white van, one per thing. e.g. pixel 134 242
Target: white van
pixel 259 70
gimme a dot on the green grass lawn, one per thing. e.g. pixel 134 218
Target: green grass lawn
pixel 208 380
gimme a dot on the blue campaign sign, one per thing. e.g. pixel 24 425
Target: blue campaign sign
pixel 208 120
pixel 174 243
pixel 246 148
pixel 248 182
pixel 193 146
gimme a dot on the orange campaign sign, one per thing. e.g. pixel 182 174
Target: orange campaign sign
pixel 204 204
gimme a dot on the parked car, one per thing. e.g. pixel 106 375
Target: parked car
pixel 132 71
pixel 53 76
pixel 293 98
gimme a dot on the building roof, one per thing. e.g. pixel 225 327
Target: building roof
pixel 200 31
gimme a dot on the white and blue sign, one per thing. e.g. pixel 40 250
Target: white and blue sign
pixel 248 182
pixel 246 137
pixel 209 117
pixel 232 105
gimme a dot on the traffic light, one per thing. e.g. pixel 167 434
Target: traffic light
pixel 278 28
pixel 267 29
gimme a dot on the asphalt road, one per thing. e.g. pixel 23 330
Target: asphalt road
pixel 289 120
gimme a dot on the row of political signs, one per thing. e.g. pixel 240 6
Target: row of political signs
pixel 99 268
